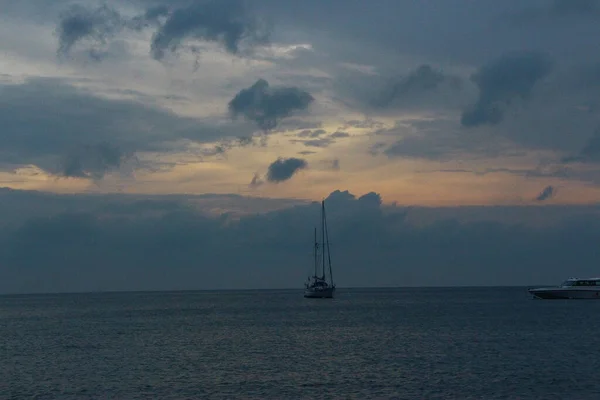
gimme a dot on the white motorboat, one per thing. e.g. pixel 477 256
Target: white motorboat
pixel 572 288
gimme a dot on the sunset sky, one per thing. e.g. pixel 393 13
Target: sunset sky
pixel 441 102
pixel 425 103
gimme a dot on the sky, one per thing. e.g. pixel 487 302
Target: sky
pixel 140 139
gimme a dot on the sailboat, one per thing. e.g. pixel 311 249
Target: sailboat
pixel 317 286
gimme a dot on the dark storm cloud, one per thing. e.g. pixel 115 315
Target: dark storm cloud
pixel 266 106
pixel 283 169
pixel 116 243
pixel 92 161
pixel 45 119
pixel 369 35
pixel 558 113
pixel 150 18
pixel 425 88
pixel 547 193
pixel 423 67
pixel 225 21
pixel 79 23
pixel 422 80
pixel 501 81
pixel 153 13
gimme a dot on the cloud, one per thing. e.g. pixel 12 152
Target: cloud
pixel 559 9
pixel 92 161
pixel 547 193
pixel 426 88
pixel 311 133
pixel 370 199
pixel 121 242
pixel 582 7
pixel 322 142
pixel 438 140
pixel 256 181
pixel 293 124
pixel 339 35
pixel 48 122
pixel 367 123
pixel 338 197
pixel 225 21
pixel 335 164
pixel 151 17
pixel 557 115
pixel 341 204
pixel 511 76
pixel 339 134
pixel 79 23
pixel 267 106
pixel 422 147
pixel 283 169
pixel 332 164
pixel 425 79
pixel 590 153
pixel 540 171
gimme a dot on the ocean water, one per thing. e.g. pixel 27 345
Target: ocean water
pixel 432 343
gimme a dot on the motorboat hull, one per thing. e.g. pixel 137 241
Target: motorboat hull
pixel 566 293
pixel 326 293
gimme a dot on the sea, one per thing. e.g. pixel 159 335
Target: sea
pixel 405 343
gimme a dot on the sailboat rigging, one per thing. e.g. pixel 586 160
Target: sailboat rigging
pixel 317 285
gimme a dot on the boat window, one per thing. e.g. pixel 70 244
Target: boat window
pixel 582 283
pixel 568 283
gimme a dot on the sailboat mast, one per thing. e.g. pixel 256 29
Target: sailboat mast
pixel 323 234
pixel 328 251
pixel 316 245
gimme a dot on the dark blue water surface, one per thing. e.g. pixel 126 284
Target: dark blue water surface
pixel 434 343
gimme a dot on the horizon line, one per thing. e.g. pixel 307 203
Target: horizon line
pixel 256 289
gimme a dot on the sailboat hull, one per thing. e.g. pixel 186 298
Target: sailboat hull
pixel 326 293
